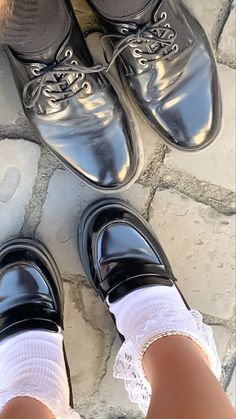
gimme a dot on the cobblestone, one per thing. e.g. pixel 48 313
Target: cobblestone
pixel 18 169
pixel 200 245
pixel 227 44
pixel 207 14
pixel 231 391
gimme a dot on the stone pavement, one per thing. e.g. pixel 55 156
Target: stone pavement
pixel 189 200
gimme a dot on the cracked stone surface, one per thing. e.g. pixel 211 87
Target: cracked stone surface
pixel 231 391
pixel 227 43
pixel 205 240
pixel 207 14
pixel 189 200
pixel 18 169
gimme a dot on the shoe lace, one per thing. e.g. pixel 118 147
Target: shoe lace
pixel 158 37
pixel 52 80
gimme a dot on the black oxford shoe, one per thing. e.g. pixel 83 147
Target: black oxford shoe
pixel 119 252
pixel 78 114
pixel 167 66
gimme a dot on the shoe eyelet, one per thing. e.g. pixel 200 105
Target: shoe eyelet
pixel 74 62
pixel 175 48
pixel 167 25
pixel 86 86
pixel 35 71
pixel 52 102
pixel 80 76
pixel 164 15
pixel 47 92
pixel 124 31
pixel 137 53
pixel 143 62
pixel 68 53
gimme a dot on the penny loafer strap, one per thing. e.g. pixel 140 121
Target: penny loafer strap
pixel 132 276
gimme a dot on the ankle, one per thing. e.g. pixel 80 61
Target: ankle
pixel 25 407
pixel 168 356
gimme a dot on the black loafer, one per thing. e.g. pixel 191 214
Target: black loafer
pixel 168 68
pixel 77 113
pixel 31 291
pixel 119 252
pixel 31 295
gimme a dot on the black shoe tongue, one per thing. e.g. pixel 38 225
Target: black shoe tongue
pixel 145 15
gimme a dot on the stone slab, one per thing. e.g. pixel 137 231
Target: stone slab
pixel 9 101
pixel 85 339
pixel 231 390
pixel 200 245
pixel 217 163
pixel 118 397
pixel 89 336
pixel 207 13
pixel 66 199
pixel 227 43
pixel 18 169
pixel 222 337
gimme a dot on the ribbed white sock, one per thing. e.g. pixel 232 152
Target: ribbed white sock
pixel 127 311
pixel 32 364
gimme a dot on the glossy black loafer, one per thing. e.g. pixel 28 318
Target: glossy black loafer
pixel 31 294
pixel 78 114
pixel 31 291
pixel 168 68
pixel 119 252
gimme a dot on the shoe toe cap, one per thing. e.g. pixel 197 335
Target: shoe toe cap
pixel 191 118
pixel 105 158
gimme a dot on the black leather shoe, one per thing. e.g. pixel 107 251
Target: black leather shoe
pixel 78 114
pixel 31 291
pixel 167 66
pixel 119 252
pixel 31 294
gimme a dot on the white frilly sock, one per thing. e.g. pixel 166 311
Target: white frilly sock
pixel 145 316
pixel 32 365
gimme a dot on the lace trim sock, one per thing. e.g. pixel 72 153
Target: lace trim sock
pixel 145 316
pixel 34 26
pixel 32 365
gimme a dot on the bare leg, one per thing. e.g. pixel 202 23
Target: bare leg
pixel 25 407
pixel 183 385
